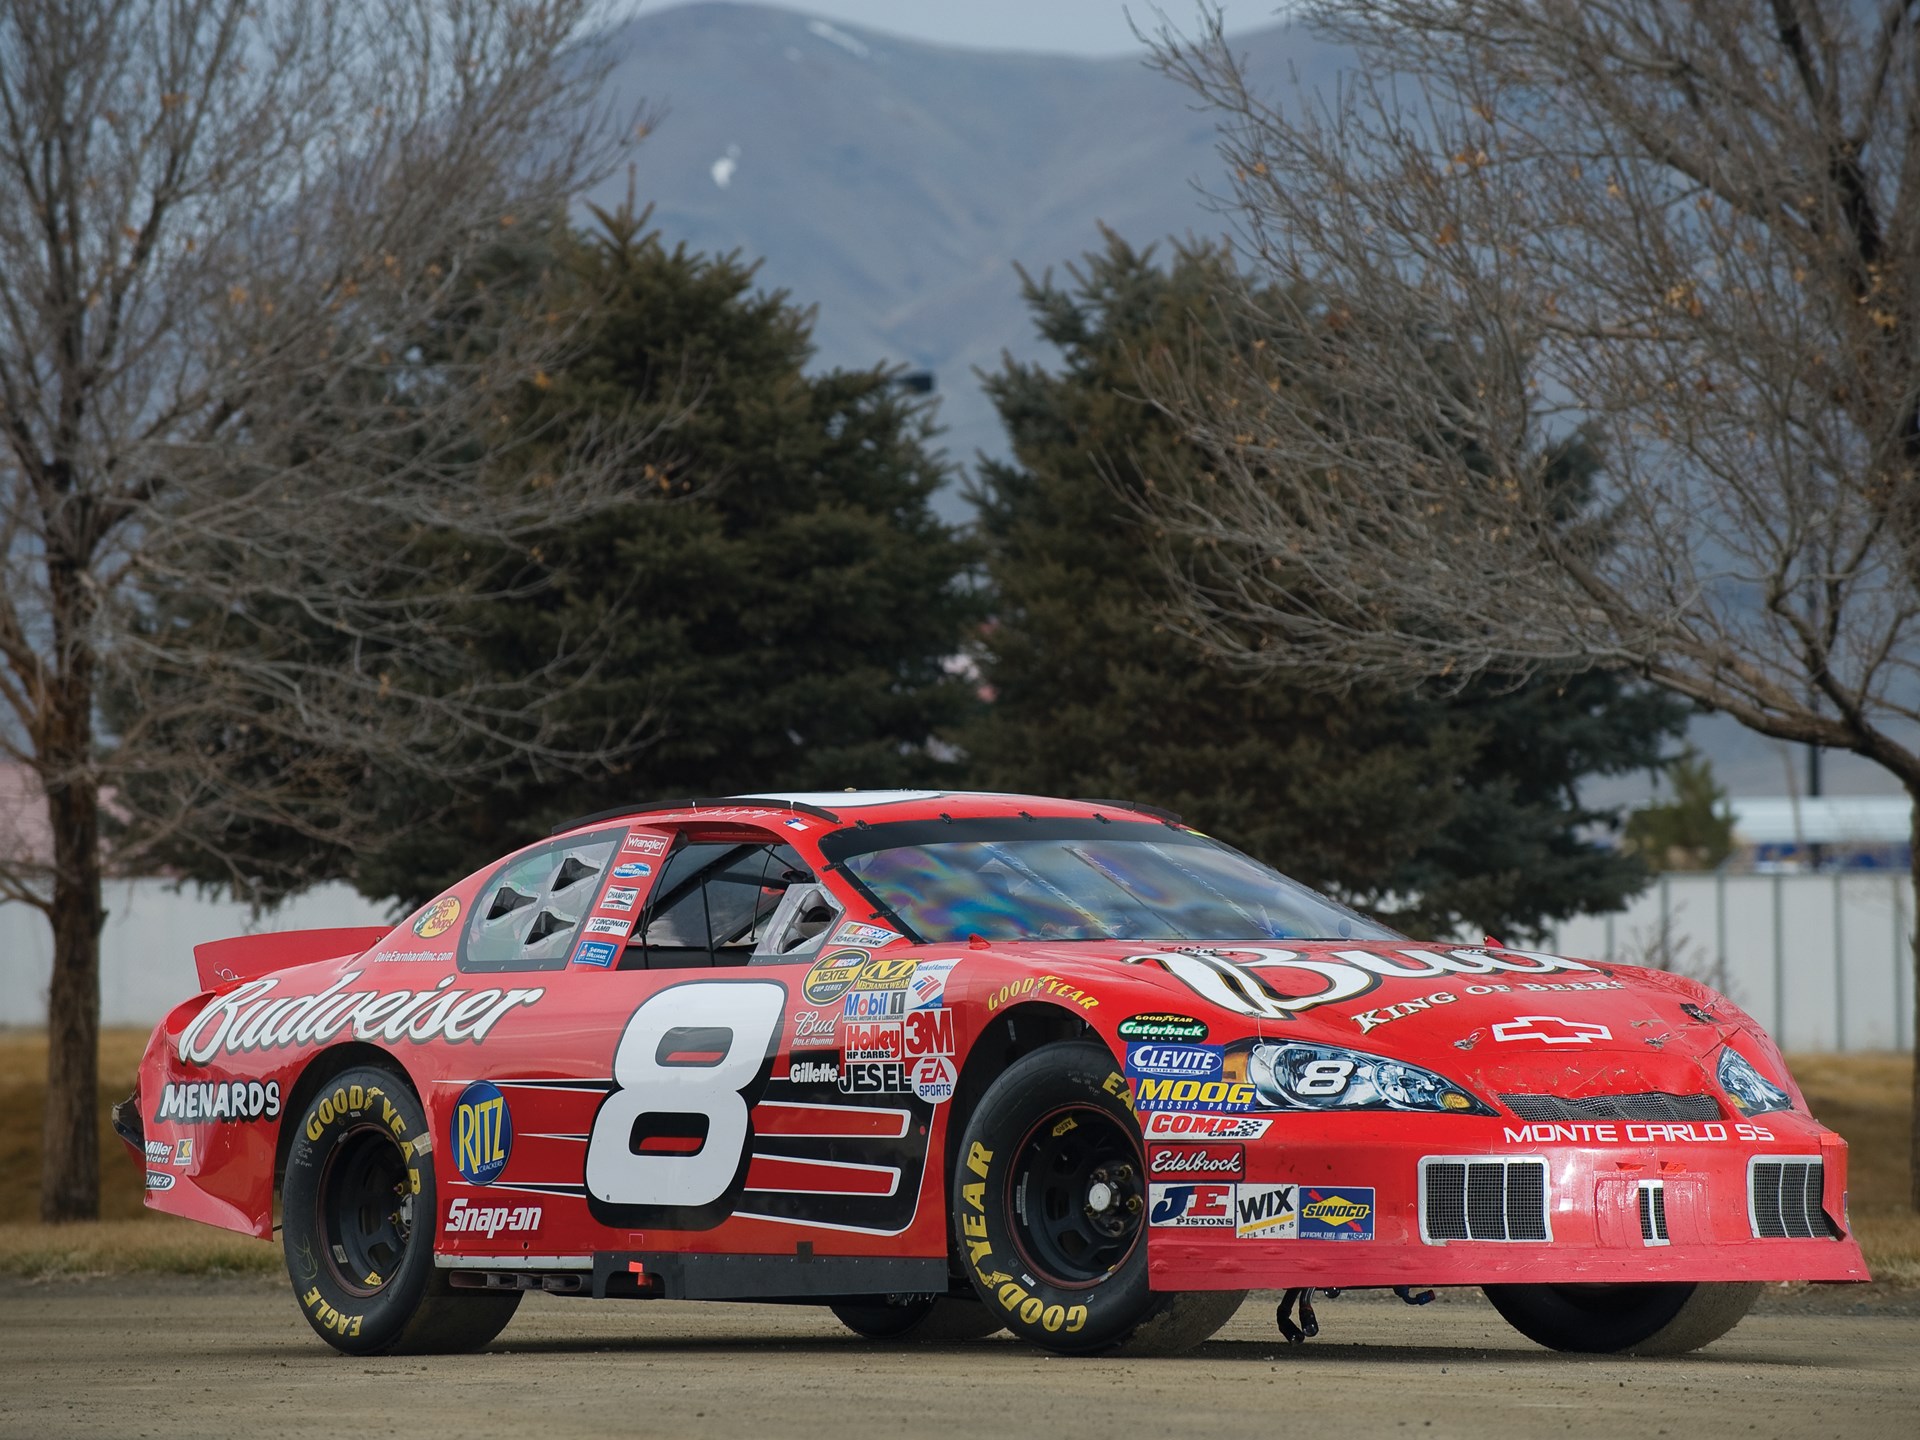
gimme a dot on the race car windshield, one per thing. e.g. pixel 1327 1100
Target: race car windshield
pixel 1081 880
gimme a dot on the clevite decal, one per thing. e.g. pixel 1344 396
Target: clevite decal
pixel 245 1018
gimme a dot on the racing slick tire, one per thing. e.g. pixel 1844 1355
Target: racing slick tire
pixel 357 1211
pixel 1050 1207
pixel 929 1319
pixel 1660 1319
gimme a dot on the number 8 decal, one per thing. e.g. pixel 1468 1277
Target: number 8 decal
pixel 673 1133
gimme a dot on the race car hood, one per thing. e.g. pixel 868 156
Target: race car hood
pixel 1497 1020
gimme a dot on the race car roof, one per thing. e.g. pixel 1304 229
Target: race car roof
pixel 900 804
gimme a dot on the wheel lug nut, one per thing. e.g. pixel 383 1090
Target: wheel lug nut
pixel 1133 1204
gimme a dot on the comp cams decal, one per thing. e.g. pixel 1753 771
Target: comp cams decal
pixel 248 1018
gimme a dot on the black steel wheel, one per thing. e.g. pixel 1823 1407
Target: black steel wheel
pixel 357 1213
pixel 1049 1202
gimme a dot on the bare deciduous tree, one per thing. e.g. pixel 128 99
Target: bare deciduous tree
pixel 234 240
pixel 1692 228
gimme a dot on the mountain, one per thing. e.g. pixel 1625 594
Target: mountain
pixel 895 184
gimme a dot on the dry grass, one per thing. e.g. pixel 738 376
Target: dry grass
pixel 1867 1098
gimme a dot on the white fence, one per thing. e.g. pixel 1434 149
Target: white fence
pixel 146 949
pixel 1823 961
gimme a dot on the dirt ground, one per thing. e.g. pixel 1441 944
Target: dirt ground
pixel 158 1356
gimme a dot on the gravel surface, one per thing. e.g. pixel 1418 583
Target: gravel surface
pixel 157 1356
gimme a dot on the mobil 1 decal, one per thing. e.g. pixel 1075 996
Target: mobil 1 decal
pixel 1270 983
pixel 710 1116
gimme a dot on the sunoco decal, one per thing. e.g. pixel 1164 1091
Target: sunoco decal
pixel 1335 1212
pixel 1273 984
pixel 248 1018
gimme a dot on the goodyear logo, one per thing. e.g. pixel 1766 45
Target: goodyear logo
pixel 831 976
pixel 482 1133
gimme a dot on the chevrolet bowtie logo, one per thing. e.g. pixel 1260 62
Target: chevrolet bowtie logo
pixel 1551 1030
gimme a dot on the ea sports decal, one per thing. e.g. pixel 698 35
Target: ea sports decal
pixel 438 918
pixel 482 1133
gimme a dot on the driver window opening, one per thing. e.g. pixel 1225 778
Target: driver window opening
pixel 715 904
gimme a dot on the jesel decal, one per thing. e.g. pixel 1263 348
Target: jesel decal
pixel 1261 981
pixel 246 1018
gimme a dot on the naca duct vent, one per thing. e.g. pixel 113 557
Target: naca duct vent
pixel 1472 1199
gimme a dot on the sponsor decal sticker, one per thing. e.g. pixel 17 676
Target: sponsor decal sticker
pixel 874 1004
pixel 1267 1212
pixel 832 975
pixel 482 1133
pixel 873 1077
pixel 249 1017
pixel 632 870
pixel 183 1152
pixel 1197 1062
pixel 159 1180
pixel 818 1069
pixel 1153 1093
pixel 202 1102
pixel 855 933
pixel 1336 1212
pixel 438 918
pixel 1034 986
pixel 489 1220
pixel 885 972
pixel 1204 1127
pixel 1205 1207
pixel 814 1026
pixel 1550 1030
pixel 1163 1027
pixel 929 987
pixel 595 952
pixel 928 1032
pixel 1197 1161
pixel 638 844
pixel 873 1040
pixel 159 1152
pixel 619 897
pixel 608 925
pixel 934 1078
pixel 794 824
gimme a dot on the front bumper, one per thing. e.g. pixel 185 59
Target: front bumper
pixel 1374 1202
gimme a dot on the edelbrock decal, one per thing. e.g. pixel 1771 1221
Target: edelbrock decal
pixel 247 1018
pixel 1260 980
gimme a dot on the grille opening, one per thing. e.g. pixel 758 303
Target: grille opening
pixel 1653 1212
pixel 1784 1198
pixel 1484 1199
pixel 1647 1105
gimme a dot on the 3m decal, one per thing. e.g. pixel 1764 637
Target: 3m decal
pixel 482 1133
pixel 1273 984
pixel 1266 1212
pixel 247 1018
pixel 200 1102
pixel 671 1138
pixel 1208 1207
pixel 438 918
pixel 1163 1027
pixel 928 1032
pixel 1335 1212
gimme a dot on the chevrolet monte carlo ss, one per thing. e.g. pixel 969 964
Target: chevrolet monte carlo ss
pixel 948 1063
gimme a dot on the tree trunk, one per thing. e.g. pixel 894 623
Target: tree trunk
pixel 1913 920
pixel 70 1142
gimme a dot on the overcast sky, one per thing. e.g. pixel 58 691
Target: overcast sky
pixel 1073 27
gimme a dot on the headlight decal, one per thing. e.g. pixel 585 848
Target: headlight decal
pixel 1296 1075
pixel 1750 1091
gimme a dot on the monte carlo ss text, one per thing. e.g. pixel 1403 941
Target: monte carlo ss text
pixel 951 1063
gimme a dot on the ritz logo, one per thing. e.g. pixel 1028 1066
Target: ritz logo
pixel 482 1133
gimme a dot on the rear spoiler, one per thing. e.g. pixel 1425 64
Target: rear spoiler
pixel 222 963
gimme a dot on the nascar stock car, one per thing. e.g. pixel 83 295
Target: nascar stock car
pixel 949 1063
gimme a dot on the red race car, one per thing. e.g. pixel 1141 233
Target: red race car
pixel 949 1063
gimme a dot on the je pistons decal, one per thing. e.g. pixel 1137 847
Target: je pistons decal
pixel 1273 984
pixel 438 918
pixel 482 1133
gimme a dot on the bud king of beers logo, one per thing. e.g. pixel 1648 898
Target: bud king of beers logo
pixel 1196 1162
